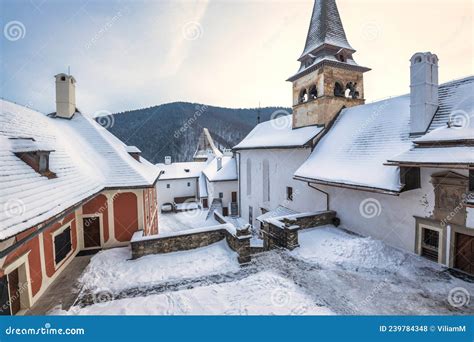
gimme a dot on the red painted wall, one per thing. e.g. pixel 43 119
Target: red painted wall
pixel 49 243
pixel 99 205
pixel 34 259
pixel 125 216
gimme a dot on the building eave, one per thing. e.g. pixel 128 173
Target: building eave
pixel 328 63
pixel 349 186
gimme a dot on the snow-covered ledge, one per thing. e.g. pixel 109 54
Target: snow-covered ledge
pixel 239 241
pixel 282 231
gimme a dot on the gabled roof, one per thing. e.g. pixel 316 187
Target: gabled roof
pixel 278 133
pixel 355 150
pixel 181 170
pixel 325 27
pixel 228 171
pixel 85 157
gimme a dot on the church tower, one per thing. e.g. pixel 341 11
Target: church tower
pixel 328 79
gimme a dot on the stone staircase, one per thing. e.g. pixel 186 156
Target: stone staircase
pixel 216 204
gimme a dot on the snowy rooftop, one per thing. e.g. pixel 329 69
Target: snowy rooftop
pixel 436 155
pixel 227 172
pixel 85 157
pixel 356 147
pixel 364 137
pixel 181 170
pixel 278 133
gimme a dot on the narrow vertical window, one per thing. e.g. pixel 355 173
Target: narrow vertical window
pixel 266 181
pixel 249 177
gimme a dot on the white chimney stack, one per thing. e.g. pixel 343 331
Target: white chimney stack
pixel 423 90
pixel 65 96
pixel 168 160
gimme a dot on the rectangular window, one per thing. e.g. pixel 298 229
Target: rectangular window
pixel 189 184
pixel 221 195
pixel 410 177
pixel 168 186
pixel 430 244
pixel 250 215
pixel 62 245
pixel 289 193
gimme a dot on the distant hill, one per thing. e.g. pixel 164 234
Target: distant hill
pixel 174 128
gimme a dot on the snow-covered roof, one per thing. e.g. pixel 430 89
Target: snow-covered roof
pixel 277 212
pixel 355 151
pixel 447 134
pixel 445 144
pixel 278 133
pixel 85 158
pixel 436 155
pixel 227 172
pixel 132 149
pixel 181 170
pixel 325 27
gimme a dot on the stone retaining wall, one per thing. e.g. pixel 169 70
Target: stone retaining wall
pixel 238 242
pixel 283 232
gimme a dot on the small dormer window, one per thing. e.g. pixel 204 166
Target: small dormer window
pixel 63 78
pixel 186 170
pixel 134 152
pixel 33 154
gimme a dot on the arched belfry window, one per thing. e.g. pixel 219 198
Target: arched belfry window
pixel 313 92
pixel 338 89
pixel 303 97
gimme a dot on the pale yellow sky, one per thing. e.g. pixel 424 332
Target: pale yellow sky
pixel 134 54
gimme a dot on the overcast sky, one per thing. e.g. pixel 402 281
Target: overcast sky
pixel 134 54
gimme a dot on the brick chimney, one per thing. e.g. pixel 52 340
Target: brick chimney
pixel 65 96
pixel 423 90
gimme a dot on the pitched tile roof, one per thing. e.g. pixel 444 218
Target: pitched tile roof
pixel 85 157
pixel 363 138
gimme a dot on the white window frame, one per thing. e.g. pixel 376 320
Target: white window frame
pixel 440 241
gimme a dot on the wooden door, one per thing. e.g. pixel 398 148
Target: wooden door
pixel 234 196
pixel 91 232
pixel 14 287
pixel 4 297
pixel 464 253
pixel 225 211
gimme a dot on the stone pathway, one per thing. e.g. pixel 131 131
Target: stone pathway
pixel 64 290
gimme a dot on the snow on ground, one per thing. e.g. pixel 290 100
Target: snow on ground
pixel 264 293
pixel 332 272
pixel 174 222
pixel 331 246
pixel 111 270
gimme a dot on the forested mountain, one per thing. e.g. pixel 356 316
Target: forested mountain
pixel 174 128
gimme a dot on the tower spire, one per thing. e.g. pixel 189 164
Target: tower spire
pixel 325 28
